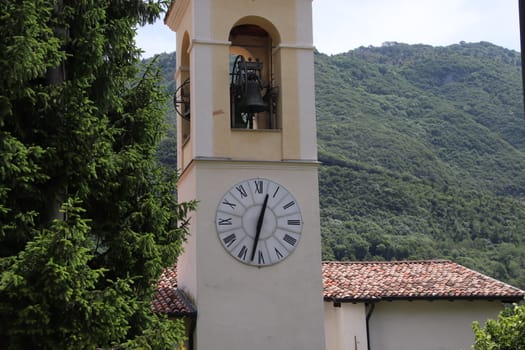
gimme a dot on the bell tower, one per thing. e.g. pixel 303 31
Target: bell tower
pixel 247 152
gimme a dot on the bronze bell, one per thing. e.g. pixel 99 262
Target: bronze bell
pixel 252 101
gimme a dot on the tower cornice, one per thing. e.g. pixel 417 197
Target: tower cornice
pixel 220 162
pixel 176 13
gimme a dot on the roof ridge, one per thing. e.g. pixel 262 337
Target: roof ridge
pixel 421 261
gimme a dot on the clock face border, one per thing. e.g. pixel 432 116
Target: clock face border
pixel 237 219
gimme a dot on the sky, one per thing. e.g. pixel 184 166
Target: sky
pixel 343 25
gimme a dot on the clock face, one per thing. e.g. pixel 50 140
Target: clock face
pixel 259 222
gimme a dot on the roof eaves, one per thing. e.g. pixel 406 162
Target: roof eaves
pixel 503 299
pixel 192 311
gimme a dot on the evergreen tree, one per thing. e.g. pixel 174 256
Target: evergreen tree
pixel 88 219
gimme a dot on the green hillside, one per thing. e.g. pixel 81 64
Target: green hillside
pixel 423 155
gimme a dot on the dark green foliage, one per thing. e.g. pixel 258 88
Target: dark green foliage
pixel 423 155
pixel 370 214
pixel 88 218
pixel 167 65
pixel 401 116
pixel 167 149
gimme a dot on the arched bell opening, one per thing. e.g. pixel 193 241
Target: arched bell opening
pixel 253 92
pixel 181 98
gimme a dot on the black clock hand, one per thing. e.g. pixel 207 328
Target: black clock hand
pixel 259 226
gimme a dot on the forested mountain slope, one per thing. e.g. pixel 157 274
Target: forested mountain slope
pixel 423 155
pixel 423 152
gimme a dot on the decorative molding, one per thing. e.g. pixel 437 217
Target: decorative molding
pixel 307 47
pixel 195 42
pixel 250 164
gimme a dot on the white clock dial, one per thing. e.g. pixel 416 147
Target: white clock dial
pixel 259 222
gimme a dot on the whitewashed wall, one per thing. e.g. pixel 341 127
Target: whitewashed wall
pixel 407 325
pixel 345 326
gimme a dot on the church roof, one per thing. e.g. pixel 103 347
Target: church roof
pixel 169 299
pixel 373 281
pixel 408 280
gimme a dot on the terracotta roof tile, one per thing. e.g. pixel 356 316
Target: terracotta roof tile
pixel 369 281
pixel 431 279
pixel 169 299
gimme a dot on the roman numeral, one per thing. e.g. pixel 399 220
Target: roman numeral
pixel 286 206
pixel 260 258
pixel 231 205
pixel 225 222
pixel 258 186
pixel 242 253
pixel 278 253
pixel 277 190
pixel 230 240
pixel 294 222
pixel 290 240
pixel 242 191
